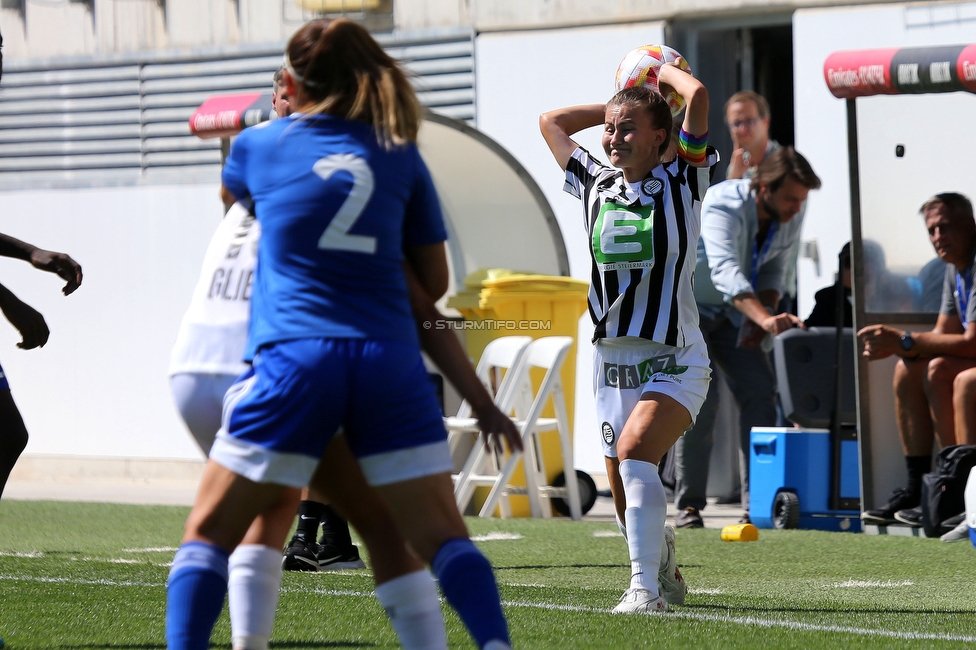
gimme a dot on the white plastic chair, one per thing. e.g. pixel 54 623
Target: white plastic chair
pixel 502 354
pixel 548 353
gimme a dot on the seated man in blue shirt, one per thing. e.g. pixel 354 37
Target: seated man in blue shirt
pixel 934 378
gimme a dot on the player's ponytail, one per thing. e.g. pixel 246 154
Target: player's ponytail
pixel 340 70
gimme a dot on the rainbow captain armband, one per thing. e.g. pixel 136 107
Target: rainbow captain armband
pixel 692 147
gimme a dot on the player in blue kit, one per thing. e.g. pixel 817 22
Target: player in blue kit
pixel 342 197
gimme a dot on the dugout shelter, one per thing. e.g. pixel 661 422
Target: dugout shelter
pixel 909 113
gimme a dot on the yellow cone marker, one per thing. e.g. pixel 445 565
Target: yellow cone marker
pixel 740 533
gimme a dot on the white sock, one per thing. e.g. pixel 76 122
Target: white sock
pixel 414 611
pixel 647 510
pixel 621 526
pixel 252 592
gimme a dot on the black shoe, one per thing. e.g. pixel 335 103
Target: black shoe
pixel 688 518
pixel 300 555
pixel 910 516
pixel 952 522
pixel 901 499
pixel 331 558
pixel 744 519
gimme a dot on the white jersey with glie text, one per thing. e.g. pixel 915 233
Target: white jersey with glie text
pixel 642 240
pixel 213 334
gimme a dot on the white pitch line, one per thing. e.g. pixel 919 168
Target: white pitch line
pixel 869 583
pixel 812 627
pixel 695 616
pixel 607 533
pixel 328 592
pixel 765 622
pixel 494 537
pixel 152 549
pixel 75 581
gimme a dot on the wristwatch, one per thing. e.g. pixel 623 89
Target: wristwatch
pixel 906 341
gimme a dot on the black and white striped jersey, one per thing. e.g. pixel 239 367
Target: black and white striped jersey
pixel 643 238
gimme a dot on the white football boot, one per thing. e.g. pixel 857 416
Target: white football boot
pixel 672 585
pixel 640 601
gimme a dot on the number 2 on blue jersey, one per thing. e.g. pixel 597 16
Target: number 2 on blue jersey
pixel 336 235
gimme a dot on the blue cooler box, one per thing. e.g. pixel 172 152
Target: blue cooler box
pixel 798 461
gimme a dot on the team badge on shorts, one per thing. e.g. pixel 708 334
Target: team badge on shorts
pixel 608 434
pixel 652 186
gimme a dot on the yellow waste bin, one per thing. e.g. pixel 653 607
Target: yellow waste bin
pixel 500 302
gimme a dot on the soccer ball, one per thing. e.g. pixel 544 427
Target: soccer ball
pixel 640 66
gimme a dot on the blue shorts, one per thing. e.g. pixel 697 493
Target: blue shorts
pixel 4 385
pixel 282 413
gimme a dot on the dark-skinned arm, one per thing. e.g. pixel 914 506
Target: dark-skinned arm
pixel 58 263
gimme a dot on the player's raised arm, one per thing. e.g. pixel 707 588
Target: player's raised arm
pixel 557 126
pixel 692 91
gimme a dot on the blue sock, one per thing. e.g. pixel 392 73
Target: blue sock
pixel 195 595
pixel 468 584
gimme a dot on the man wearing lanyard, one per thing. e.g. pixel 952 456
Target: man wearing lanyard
pixel 934 377
pixel 747 116
pixel 748 229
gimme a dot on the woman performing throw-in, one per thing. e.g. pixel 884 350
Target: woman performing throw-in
pixel 650 364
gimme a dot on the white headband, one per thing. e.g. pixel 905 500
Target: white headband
pixel 287 65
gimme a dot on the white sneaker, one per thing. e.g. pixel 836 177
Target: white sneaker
pixel 958 533
pixel 640 601
pixel 672 584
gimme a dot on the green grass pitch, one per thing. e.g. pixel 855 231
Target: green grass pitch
pixel 77 575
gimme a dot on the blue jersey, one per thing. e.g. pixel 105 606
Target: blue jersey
pixel 336 210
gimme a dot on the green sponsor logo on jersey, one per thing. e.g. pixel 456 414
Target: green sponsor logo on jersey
pixel 634 376
pixel 664 364
pixel 622 237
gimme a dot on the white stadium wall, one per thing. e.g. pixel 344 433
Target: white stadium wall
pixel 521 75
pixel 99 387
pixel 134 199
